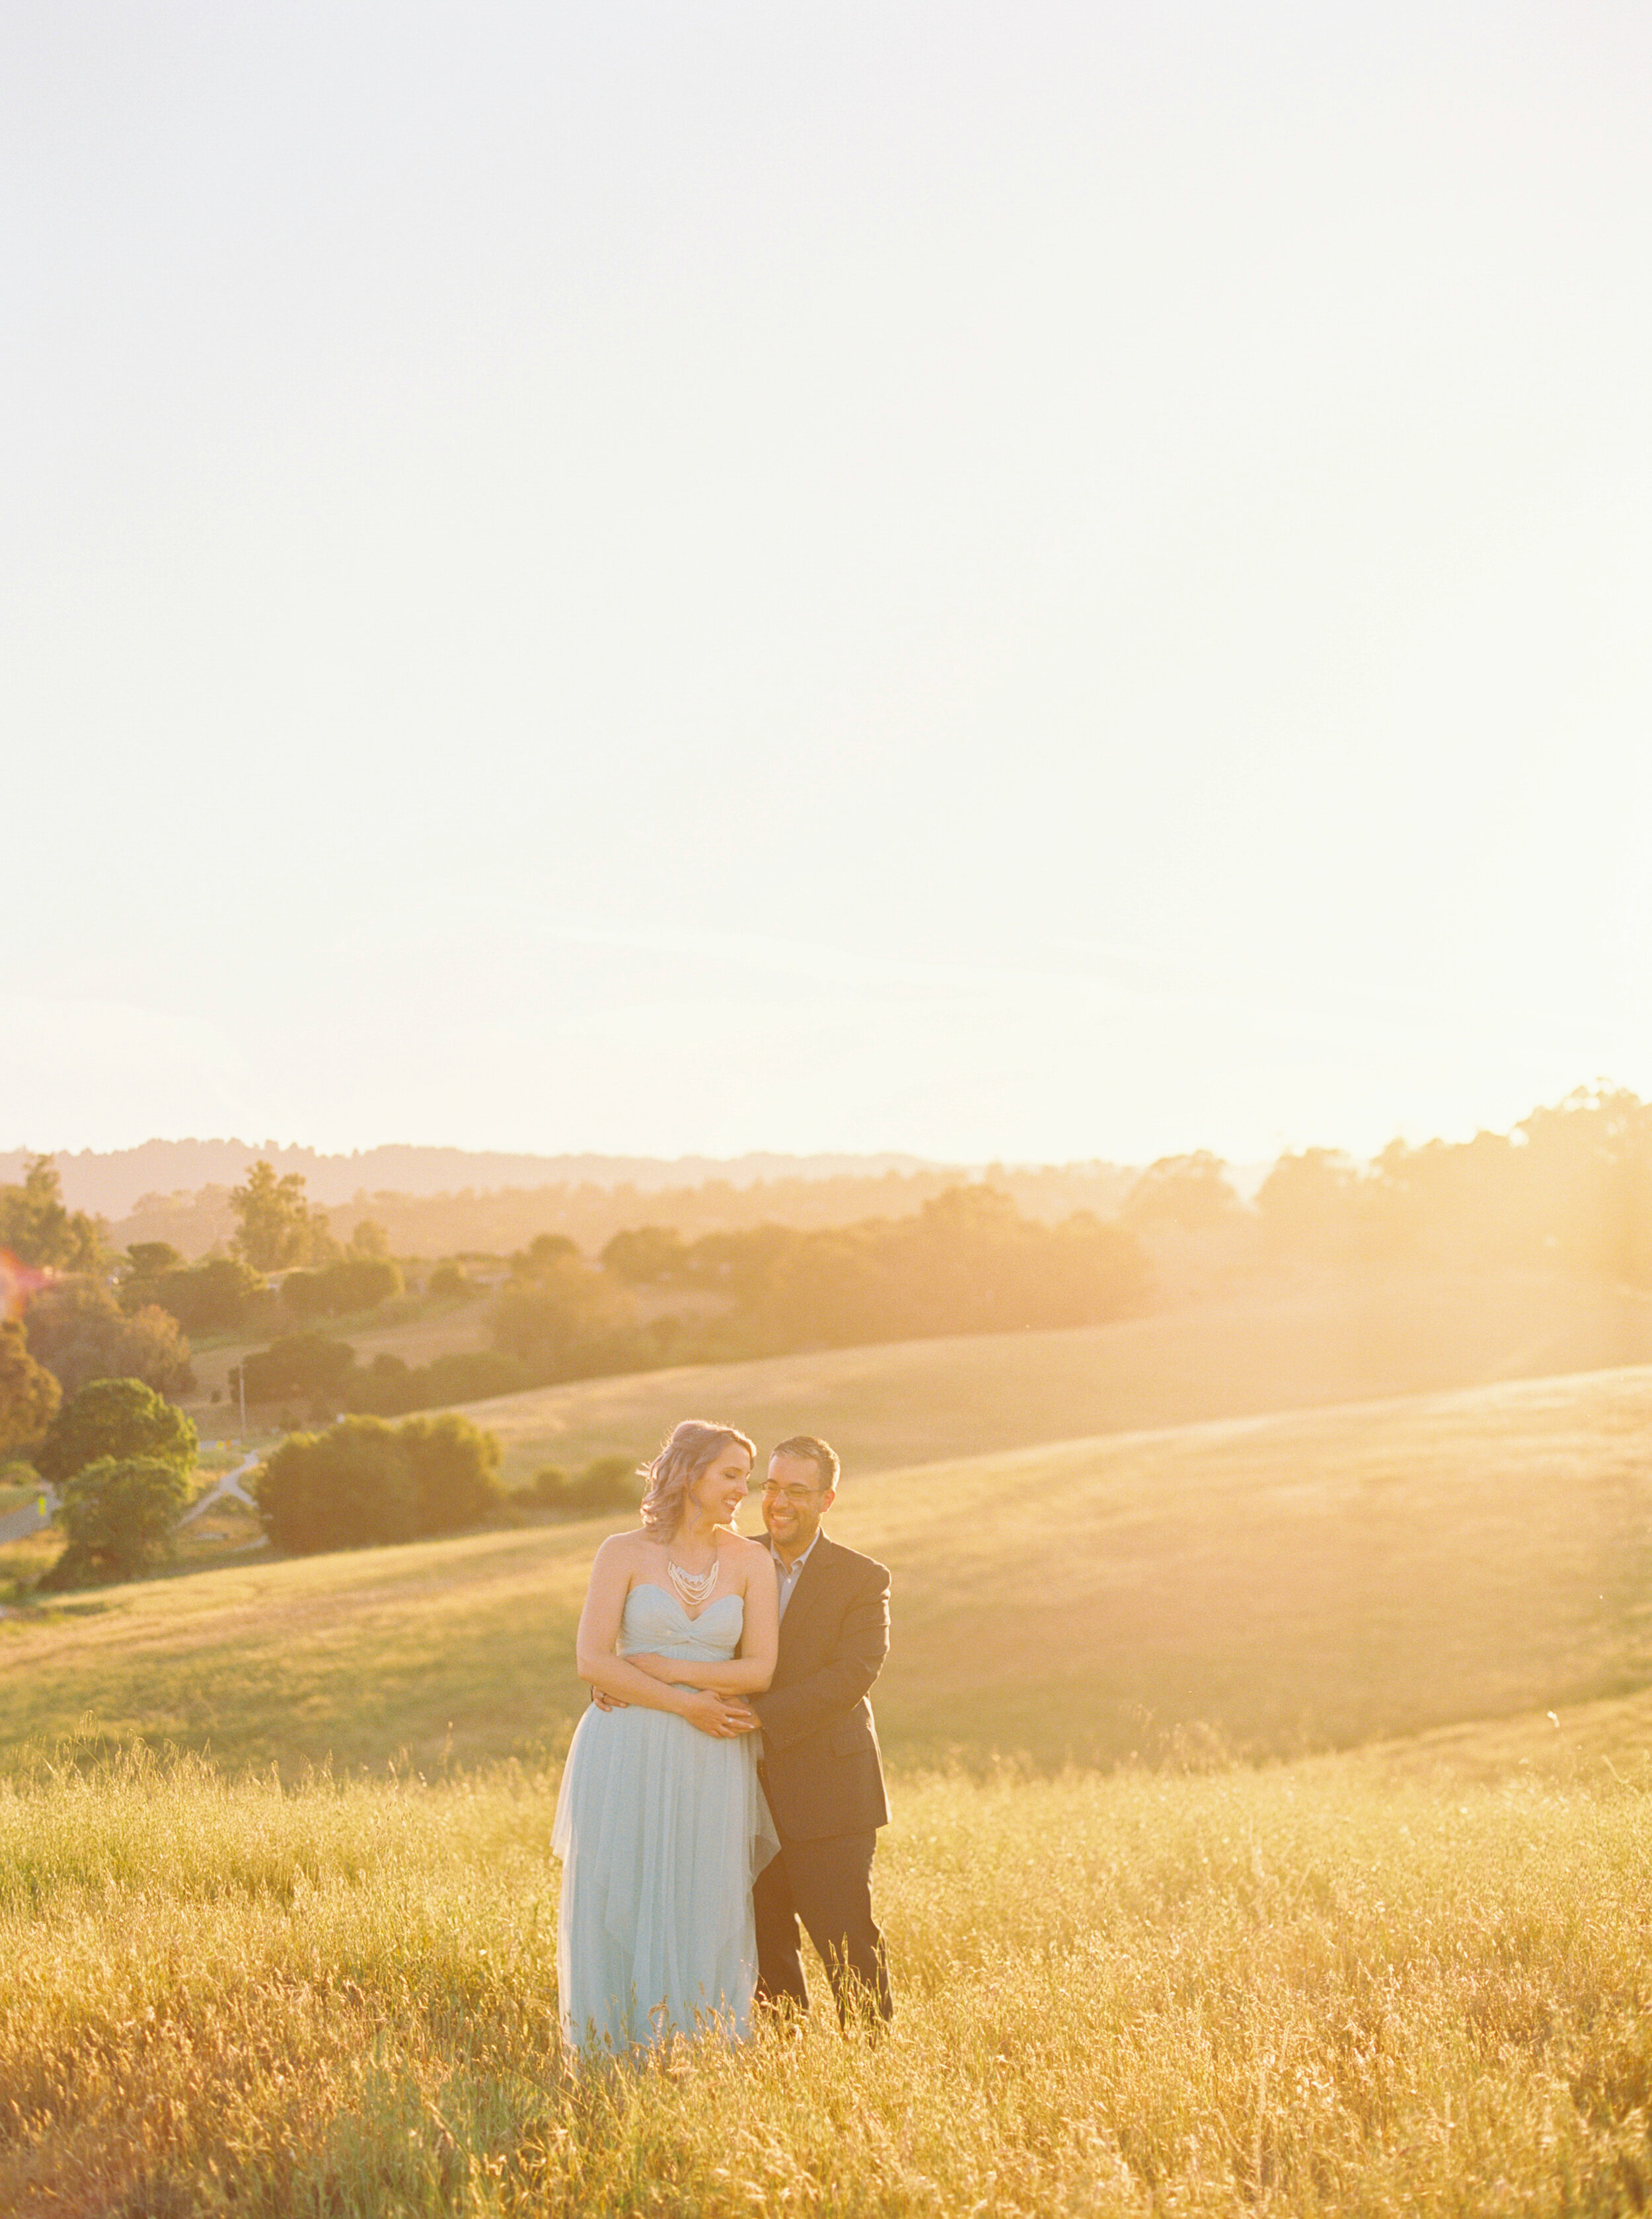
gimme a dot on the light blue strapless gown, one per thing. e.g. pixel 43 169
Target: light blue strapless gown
pixel 661 1830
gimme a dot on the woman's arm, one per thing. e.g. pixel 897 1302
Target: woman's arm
pixel 750 1672
pixel 595 1650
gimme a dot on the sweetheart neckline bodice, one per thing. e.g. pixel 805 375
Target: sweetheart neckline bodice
pixel 670 1596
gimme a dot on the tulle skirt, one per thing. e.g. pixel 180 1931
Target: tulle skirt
pixel 661 1830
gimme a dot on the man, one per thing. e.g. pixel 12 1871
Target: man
pixel 820 1765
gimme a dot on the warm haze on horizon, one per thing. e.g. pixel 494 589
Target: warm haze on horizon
pixel 1035 584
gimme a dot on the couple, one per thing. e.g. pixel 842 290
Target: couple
pixel 688 1858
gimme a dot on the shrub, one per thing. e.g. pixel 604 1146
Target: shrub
pixel 119 1419
pixel 386 1387
pixel 450 1281
pixel 354 1283
pixel 389 1386
pixel 120 1513
pixel 363 1481
pixel 608 1482
pixel 546 1487
pixel 455 1467
pixel 470 1375
pixel 299 1364
pixel 301 1296
pixel 339 1489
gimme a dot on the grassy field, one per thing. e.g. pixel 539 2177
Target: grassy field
pixel 1335 1341
pixel 1324 1578
pixel 1296 1991
pixel 1412 1978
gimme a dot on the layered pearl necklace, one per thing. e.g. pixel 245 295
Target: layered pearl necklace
pixel 693 1588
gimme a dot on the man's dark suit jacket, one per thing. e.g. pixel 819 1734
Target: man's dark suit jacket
pixel 821 1764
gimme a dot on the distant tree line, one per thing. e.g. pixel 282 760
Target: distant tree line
pixel 1569 1187
pixel 504 1219
pixel 313 1372
pixel 969 1262
pixel 93 1313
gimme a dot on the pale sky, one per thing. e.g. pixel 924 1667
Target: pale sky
pixel 1030 582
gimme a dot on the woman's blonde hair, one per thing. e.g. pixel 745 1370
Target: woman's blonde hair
pixel 692 1447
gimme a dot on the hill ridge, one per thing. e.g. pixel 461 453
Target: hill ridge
pixel 110 1182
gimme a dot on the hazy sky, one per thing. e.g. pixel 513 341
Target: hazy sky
pixel 1026 582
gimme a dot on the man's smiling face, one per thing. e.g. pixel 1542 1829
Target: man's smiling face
pixel 794 1502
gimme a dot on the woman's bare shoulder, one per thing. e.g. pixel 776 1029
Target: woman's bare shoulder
pixel 620 1548
pixel 745 1551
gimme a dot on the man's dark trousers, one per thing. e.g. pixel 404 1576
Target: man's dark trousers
pixel 823 1778
pixel 827 1885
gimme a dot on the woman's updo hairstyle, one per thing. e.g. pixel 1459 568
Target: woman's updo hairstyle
pixel 695 1445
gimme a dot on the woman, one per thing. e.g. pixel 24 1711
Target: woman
pixel 660 1824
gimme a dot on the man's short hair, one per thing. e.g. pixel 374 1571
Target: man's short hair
pixel 819 1453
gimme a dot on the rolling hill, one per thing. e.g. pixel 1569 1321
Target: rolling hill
pixel 1262 1349
pixel 1322 1578
pixel 1262 1345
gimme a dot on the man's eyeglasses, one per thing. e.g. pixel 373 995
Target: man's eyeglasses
pixel 791 1494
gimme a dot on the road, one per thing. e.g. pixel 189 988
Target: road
pixel 30 1518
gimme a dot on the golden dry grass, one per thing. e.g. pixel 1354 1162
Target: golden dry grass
pixel 1412 1979
pixel 1298 1992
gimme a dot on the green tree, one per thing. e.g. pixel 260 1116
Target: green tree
pixel 39 1229
pixel 646 1255
pixel 79 1332
pixel 120 1514
pixel 218 1295
pixel 344 1488
pixel 275 1225
pixel 117 1418
pixel 29 1395
pixel 148 1260
pixel 455 1467
pixel 368 1239
pixel 545 1256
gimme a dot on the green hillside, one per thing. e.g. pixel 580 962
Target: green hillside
pixel 1322 1577
pixel 1261 1349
